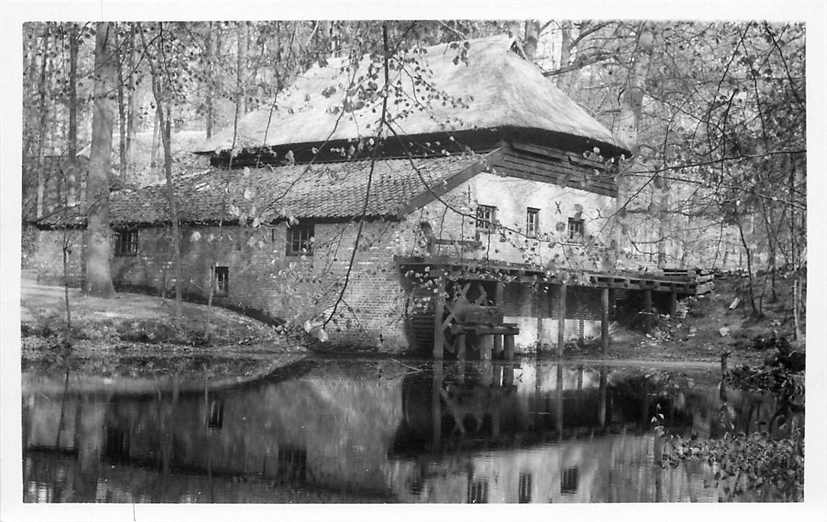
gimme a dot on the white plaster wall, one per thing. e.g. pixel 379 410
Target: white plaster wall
pixel 512 196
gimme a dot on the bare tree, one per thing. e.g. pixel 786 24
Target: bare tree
pixel 42 90
pixel 164 122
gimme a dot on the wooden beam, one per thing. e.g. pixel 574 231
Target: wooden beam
pixel 604 320
pixel 439 308
pixel 561 321
pixel 647 300
pixel 450 183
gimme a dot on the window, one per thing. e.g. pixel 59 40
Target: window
pixel 576 230
pixel 478 492
pixel 300 240
pixel 126 242
pixel 568 481
pixel 292 464
pixel 532 222
pixel 486 216
pixel 215 420
pixel 524 491
pixel 116 444
pixel 221 280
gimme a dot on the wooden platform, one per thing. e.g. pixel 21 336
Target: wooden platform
pixel 684 282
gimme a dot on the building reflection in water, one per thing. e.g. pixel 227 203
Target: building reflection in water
pixel 474 432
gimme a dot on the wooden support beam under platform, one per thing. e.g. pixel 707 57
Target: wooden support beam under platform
pixel 604 320
pixel 439 310
pixel 561 321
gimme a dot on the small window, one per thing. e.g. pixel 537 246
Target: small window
pixel 568 481
pixel 221 280
pixel 486 217
pixel 126 242
pixel 300 240
pixel 576 230
pixel 532 222
pixel 478 492
pixel 524 491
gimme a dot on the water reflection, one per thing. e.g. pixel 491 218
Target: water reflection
pixel 383 431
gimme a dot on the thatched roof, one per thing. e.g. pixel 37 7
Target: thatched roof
pixel 331 191
pixel 496 88
pixel 182 141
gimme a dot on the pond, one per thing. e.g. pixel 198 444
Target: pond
pixel 383 431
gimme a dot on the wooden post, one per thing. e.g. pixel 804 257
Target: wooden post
pixel 604 320
pixel 647 300
pixel 486 345
pixel 673 303
pixel 499 296
pixel 561 321
pixel 498 346
pixel 439 309
pixel 461 347
pixel 508 343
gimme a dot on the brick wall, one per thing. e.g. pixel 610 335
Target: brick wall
pixel 262 277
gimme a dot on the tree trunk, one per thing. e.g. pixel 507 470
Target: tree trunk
pixel 130 115
pixel 173 208
pixel 42 126
pixel 71 185
pixel 209 58
pixel 243 31
pixel 73 92
pixel 121 106
pixel 748 253
pixel 631 106
pixel 565 50
pixel 165 122
pixel 239 93
pixel 98 275
pixel 156 138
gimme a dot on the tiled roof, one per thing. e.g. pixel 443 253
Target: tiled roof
pixel 322 191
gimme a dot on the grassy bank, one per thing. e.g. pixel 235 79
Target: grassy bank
pixel 139 336
pixel 708 328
